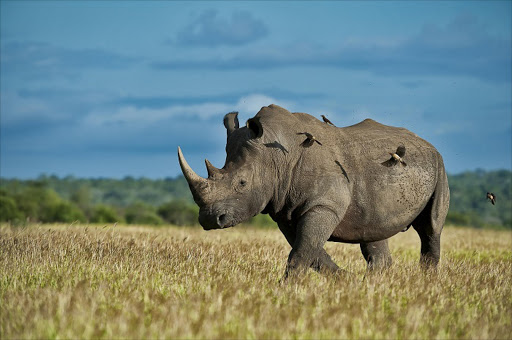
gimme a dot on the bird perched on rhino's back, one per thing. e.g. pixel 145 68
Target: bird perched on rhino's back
pixel 327 121
pixel 311 200
pixel 396 157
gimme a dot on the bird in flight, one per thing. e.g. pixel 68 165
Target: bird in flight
pixel 310 139
pixel 491 197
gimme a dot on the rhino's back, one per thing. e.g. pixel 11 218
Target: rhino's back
pixel 387 197
pixel 369 128
pixel 370 143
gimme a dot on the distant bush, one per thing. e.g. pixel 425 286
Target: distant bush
pixel 63 212
pixel 261 220
pixel 9 210
pixel 104 214
pixel 179 213
pixel 140 213
pixel 81 197
pixel 457 218
pixel 170 200
pixel 38 203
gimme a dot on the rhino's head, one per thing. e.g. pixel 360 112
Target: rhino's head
pixel 244 186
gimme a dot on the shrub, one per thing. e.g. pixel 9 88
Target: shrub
pixel 140 213
pixel 9 209
pixel 262 221
pixel 62 212
pixel 104 214
pixel 179 213
pixel 457 218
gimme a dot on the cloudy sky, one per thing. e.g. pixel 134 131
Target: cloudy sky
pixel 111 89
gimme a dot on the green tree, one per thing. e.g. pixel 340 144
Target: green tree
pixel 457 218
pixel 63 211
pixel 262 220
pixel 140 213
pixel 37 202
pixel 104 214
pixel 82 198
pixel 179 213
pixel 9 209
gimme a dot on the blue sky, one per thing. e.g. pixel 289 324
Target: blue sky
pixel 111 89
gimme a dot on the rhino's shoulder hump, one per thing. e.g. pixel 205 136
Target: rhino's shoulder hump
pixel 273 110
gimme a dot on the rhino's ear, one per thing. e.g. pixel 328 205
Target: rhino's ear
pixel 255 128
pixel 231 122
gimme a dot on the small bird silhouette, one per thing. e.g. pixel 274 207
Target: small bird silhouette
pixel 491 197
pixel 396 157
pixel 310 139
pixel 327 121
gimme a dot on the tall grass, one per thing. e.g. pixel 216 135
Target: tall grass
pixel 141 282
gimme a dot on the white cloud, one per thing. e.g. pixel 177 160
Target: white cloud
pixel 130 115
pixel 210 30
pixel 17 109
pixel 251 104
pixel 463 47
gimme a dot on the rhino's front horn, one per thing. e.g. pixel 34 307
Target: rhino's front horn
pixel 195 181
pixel 210 168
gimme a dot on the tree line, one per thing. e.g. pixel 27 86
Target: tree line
pixel 50 199
pixel 34 201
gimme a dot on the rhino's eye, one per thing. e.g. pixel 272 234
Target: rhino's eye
pixel 243 182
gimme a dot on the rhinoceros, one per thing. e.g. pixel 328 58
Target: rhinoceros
pixel 342 189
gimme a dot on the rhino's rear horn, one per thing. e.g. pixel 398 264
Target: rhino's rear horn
pixel 210 168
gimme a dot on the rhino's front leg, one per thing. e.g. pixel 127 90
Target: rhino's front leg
pixel 312 231
pixel 318 260
pixel 323 261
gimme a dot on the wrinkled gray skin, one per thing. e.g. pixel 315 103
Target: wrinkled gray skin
pixel 338 191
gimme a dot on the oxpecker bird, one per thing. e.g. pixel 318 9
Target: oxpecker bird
pixel 491 197
pixel 327 121
pixel 396 157
pixel 310 139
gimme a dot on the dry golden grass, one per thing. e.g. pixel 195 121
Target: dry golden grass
pixel 141 282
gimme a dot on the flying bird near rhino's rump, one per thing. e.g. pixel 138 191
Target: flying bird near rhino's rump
pixel 338 191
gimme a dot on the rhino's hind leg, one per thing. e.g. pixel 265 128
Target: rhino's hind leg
pixel 430 242
pixel 430 222
pixel 377 254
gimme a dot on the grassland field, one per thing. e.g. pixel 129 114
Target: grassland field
pixel 80 281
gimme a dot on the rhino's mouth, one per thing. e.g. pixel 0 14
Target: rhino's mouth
pixel 219 220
